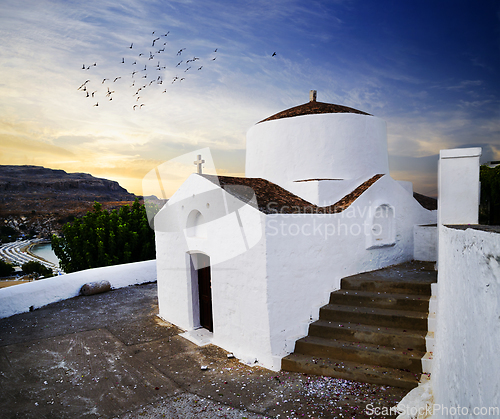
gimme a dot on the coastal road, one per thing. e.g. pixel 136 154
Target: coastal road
pixel 16 254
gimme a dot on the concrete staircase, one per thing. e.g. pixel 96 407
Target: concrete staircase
pixel 373 329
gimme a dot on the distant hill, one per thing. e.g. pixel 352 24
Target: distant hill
pixel 46 198
pixel 35 180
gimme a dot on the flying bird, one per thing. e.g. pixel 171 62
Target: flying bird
pixel 154 40
pixel 131 45
pixel 83 85
pixel 116 79
pixel 104 80
pixel 97 104
pixel 167 33
pixel 273 54
pixel 200 68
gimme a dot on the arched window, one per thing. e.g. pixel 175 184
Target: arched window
pixel 195 225
pixel 382 227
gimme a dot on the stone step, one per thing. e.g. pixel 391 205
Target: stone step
pixel 363 283
pixel 404 319
pixel 364 353
pixel 386 336
pixel 396 301
pixel 373 330
pixel 350 371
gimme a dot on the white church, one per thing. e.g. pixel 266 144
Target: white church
pixel 246 263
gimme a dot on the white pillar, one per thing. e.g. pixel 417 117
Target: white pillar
pixel 458 186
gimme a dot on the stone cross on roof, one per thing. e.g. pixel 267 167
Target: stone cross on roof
pixel 199 162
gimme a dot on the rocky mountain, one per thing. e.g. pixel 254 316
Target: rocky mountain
pixel 37 200
pixel 35 180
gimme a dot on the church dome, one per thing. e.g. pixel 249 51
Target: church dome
pixel 317 141
pixel 313 107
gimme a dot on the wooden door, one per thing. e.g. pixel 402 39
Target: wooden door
pixel 205 292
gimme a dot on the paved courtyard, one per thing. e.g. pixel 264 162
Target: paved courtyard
pixel 110 356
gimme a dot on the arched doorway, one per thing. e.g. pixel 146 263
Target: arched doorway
pixel 202 283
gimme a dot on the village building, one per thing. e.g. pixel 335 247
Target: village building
pixel 246 263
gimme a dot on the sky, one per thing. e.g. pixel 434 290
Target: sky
pixel 430 69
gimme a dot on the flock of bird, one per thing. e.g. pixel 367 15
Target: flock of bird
pixel 143 74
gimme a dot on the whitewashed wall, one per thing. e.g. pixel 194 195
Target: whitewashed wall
pixel 458 184
pixel 425 238
pixel 265 294
pixel 304 268
pixel 232 236
pixel 19 298
pixel 466 361
pixel 315 147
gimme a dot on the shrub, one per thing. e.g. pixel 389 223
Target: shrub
pixel 33 267
pixel 103 238
pixel 6 268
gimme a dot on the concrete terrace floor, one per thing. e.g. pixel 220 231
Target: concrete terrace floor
pixel 110 356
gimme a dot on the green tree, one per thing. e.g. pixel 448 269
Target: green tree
pixel 103 238
pixel 489 209
pixel 33 267
pixel 6 268
pixel 8 234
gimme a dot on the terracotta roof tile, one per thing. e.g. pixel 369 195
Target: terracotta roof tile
pixel 272 198
pixel 311 108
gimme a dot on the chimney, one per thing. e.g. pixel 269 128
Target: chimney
pixel 312 96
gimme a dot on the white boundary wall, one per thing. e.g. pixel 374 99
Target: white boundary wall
pixel 466 360
pixel 19 298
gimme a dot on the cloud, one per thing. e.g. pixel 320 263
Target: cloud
pixel 464 84
pixel 321 45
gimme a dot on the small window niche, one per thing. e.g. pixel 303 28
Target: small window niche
pixel 381 227
pixel 195 225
